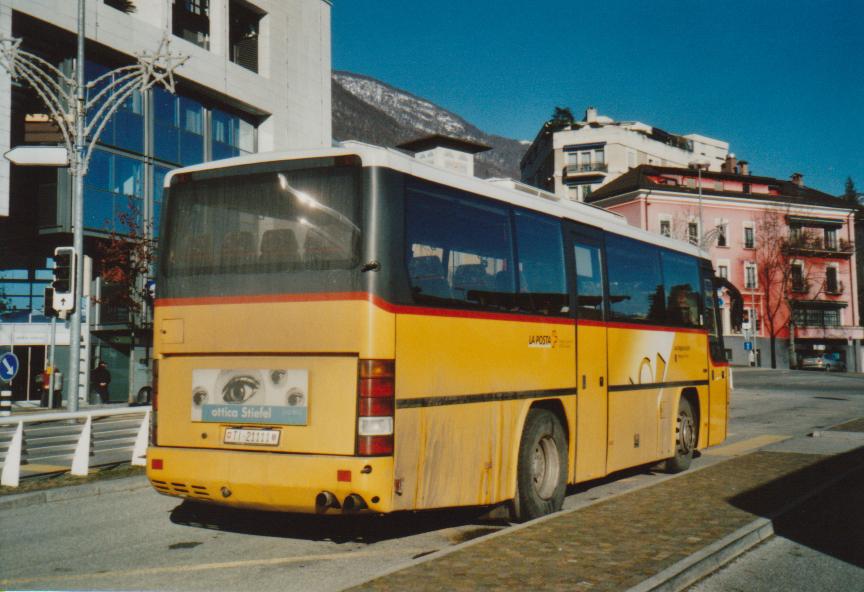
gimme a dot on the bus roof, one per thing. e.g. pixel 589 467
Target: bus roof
pixel 505 190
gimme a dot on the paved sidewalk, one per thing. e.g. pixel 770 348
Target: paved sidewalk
pixel 619 543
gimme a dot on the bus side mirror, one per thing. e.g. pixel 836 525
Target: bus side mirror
pixel 736 308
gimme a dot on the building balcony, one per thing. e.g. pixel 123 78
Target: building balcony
pixel 837 332
pixel 592 169
pixel 817 247
pixel 835 290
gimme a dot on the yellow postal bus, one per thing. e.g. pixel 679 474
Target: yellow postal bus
pixel 349 330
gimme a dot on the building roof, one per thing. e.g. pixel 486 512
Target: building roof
pixel 442 141
pixel 784 191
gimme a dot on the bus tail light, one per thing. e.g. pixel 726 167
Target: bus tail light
pixel 376 403
pixel 154 402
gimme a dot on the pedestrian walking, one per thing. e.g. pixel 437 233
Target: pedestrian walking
pixel 100 378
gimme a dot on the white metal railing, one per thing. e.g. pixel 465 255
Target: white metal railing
pixel 81 457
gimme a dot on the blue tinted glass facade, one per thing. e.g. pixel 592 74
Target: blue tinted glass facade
pixel 150 134
pixel 125 129
pixel 22 292
pixel 178 128
pixel 113 192
pixel 230 135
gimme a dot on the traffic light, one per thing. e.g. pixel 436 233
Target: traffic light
pixel 64 279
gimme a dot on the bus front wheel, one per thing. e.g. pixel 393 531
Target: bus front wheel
pixel 541 479
pixel 685 439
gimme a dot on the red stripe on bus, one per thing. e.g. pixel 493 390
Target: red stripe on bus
pixel 415 310
pixel 266 298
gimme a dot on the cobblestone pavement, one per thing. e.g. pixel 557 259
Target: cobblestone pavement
pixel 618 543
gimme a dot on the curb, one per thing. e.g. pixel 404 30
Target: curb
pixel 517 526
pixel 706 561
pixel 62 494
pixel 716 555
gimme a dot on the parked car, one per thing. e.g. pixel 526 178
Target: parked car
pixel 826 362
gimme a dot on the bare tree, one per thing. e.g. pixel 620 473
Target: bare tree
pixel 126 262
pixel 783 279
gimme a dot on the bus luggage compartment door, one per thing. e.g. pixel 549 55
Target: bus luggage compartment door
pixel 297 404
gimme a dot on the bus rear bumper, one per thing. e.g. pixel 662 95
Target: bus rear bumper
pixel 268 481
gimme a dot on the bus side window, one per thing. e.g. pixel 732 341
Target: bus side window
pixel 473 238
pixel 542 281
pixel 589 281
pixel 681 278
pixel 636 290
pixel 428 277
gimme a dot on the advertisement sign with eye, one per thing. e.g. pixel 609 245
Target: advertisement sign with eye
pixel 250 395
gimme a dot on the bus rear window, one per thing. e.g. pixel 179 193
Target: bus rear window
pixel 243 234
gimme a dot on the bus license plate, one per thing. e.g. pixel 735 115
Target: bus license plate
pixel 253 437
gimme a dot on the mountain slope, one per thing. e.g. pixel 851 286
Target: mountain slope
pixel 371 111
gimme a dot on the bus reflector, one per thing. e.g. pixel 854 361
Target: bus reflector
pixel 156 464
pixel 343 475
pixel 376 398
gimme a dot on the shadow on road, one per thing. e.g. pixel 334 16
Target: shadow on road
pixel 832 522
pixel 362 528
pixel 338 529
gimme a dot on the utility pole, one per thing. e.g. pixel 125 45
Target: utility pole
pixel 81 111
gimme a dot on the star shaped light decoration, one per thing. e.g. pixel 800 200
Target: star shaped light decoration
pixel 9 55
pixel 158 67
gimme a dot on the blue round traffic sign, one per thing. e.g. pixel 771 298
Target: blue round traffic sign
pixel 8 366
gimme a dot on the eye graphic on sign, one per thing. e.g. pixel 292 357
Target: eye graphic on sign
pixel 239 389
pixel 250 395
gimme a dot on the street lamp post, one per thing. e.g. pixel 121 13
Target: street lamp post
pixel 699 165
pixel 81 111
pixel 78 172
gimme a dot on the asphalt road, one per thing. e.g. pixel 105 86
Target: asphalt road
pixel 141 540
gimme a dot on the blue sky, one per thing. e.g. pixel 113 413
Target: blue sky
pixel 781 80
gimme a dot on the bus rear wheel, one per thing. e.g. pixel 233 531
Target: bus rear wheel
pixel 541 479
pixel 685 439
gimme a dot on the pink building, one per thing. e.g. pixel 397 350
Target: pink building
pixel 788 249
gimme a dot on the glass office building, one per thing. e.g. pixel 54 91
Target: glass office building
pixel 150 134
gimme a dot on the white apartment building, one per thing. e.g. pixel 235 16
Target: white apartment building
pixel 257 79
pixel 573 159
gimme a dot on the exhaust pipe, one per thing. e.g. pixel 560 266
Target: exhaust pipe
pixel 353 503
pixel 324 501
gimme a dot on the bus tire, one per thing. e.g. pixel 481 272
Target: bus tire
pixel 541 476
pixel 685 439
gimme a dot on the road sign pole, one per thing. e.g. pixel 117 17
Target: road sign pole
pixel 51 346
